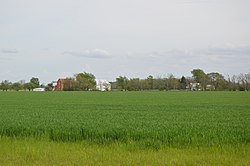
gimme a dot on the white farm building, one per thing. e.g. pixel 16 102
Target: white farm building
pixel 39 89
pixel 103 85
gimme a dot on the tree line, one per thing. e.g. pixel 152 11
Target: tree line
pixel 21 85
pixel 199 80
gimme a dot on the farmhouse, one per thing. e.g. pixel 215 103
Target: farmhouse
pixel 194 86
pixel 103 85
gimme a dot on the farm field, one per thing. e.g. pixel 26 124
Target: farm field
pixel 141 123
pixel 16 151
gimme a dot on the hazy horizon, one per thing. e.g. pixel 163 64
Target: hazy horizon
pixel 133 38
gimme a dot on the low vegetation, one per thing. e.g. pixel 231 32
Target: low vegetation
pixel 29 151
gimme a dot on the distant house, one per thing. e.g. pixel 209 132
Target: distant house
pixel 194 86
pixel 59 85
pixel 39 89
pixel 103 85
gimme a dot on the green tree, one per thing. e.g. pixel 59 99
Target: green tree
pixel 85 81
pixel 17 86
pixel 217 80
pixel 171 82
pixel 183 83
pixel 243 82
pixel 29 86
pixel 150 80
pixel 122 82
pixel 70 84
pixel 134 84
pixel 35 82
pixel 5 85
pixel 200 77
pixel 232 85
pixel 144 85
pixel 159 83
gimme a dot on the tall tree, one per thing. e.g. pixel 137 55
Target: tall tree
pixel 150 80
pixel 183 83
pixel 233 83
pixel 159 83
pixel 171 82
pixel 17 86
pixel 217 80
pixel 144 85
pixel 28 86
pixel 35 82
pixel 122 82
pixel 85 81
pixel 243 82
pixel 5 85
pixel 200 77
pixel 70 84
pixel 134 84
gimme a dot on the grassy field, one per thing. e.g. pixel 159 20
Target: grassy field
pixel 42 152
pixel 152 122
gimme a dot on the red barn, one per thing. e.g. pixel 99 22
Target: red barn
pixel 60 85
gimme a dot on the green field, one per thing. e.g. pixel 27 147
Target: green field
pixel 146 121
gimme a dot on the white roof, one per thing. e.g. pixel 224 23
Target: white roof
pixel 39 89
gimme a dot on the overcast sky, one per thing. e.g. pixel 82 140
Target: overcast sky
pixel 53 39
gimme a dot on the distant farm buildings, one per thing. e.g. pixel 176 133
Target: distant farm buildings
pixel 103 85
pixel 197 87
pixel 39 89
pixel 62 84
pixel 194 86
pixel 59 85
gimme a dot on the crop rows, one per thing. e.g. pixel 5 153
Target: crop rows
pixel 149 118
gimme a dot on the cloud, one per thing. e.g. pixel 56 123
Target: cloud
pixel 231 50
pixel 96 53
pixel 224 52
pixel 9 51
pixel 4 53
